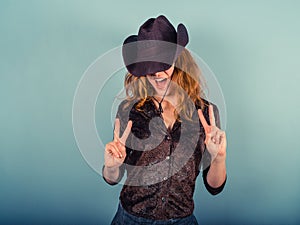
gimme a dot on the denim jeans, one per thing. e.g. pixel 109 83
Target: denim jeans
pixel 124 218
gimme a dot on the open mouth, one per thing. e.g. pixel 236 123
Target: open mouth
pixel 161 81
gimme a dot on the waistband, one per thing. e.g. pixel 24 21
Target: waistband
pixel 142 220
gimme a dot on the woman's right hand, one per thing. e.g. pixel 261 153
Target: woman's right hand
pixel 115 151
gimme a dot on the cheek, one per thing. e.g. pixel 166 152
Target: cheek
pixel 152 82
pixel 170 71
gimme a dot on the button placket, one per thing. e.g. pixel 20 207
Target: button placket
pixel 167 178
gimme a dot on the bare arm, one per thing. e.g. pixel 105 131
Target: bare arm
pixel 115 153
pixel 217 172
pixel 111 175
pixel 215 142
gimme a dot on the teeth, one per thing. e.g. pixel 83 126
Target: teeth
pixel 161 79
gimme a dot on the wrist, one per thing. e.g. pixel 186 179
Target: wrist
pixel 219 159
pixel 111 169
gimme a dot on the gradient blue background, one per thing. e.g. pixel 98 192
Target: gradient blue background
pixel 45 47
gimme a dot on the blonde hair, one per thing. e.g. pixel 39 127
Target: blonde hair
pixel 186 75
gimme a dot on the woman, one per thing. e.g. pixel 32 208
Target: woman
pixel 164 131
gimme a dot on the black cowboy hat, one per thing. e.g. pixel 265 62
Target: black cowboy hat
pixel 155 48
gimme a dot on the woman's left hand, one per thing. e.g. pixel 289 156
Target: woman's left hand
pixel 215 140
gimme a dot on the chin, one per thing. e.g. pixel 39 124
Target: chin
pixel 161 92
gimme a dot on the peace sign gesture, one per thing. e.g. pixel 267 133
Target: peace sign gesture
pixel 115 151
pixel 215 140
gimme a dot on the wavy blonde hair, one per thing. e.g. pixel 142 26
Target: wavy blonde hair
pixel 187 75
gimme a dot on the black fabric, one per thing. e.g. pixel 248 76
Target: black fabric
pixel 210 189
pixel 145 193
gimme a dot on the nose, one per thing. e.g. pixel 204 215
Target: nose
pixel 155 74
pixel 160 73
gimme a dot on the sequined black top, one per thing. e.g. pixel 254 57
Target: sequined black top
pixel 162 163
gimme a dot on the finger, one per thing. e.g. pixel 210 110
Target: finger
pixel 126 132
pixel 208 138
pixel 211 134
pixel 113 150
pixel 117 129
pixel 211 115
pixel 121 149
pixel 202 119
pixel 217 137
pixel 223 138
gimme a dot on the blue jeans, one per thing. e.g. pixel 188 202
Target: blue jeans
pixel 124 218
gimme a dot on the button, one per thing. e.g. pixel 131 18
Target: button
pixel 168 137
pixel 163 199
pixel 165 178
pixel 168 157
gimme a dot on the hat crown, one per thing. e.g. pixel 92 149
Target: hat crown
pixel 158 28
pixel 155 48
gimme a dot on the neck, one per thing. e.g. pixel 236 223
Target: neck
pixel 168 102
pixel 166 95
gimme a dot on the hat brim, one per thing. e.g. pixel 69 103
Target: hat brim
pixel 141 66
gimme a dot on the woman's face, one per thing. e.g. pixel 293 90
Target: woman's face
pixel 160 80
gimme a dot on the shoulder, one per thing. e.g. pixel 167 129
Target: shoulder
pixel 205 103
